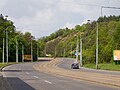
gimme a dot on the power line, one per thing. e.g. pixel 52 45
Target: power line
pixel 108 8
pixel 72 3
pixel 111 7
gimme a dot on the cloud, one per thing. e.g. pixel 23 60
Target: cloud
pixel 89 8
pixel 40 22
pixel 85 21
pixel 70 25
pixel 2 3
pixel 42 17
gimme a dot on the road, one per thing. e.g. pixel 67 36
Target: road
pixel 66 64
pixel 25 77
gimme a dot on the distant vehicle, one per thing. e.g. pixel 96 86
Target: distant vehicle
pixel 75 66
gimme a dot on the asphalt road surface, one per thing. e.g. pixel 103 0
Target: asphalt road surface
pixel 25 77
pixel 66 64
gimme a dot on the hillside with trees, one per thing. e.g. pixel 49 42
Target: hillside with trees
pixel 62 43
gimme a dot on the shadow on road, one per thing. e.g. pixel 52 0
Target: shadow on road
pixel 18 84
pixel 17 70
pixel 11 70
pixel 44 60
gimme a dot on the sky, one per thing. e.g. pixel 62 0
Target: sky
pixel 43 17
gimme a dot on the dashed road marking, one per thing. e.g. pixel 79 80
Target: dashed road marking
pixel 27 73
pixel 35 77
pixel 48 82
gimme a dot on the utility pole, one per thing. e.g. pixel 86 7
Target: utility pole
pixel 31 52
pixel 55 52
pixel 64 53
pixel 61 53
pixel 97 46
pixel 37 51
pixel 71 51
pixel 6 46
pixel 6 36
pixel 3 50
pixel 80 50
pixel 77 47
pixel 101 12
pixel 16 50
pixel 45 51
pixel 108 8
pixel 22 53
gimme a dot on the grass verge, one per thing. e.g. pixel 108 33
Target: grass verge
pixel 104 66
pixel 6 64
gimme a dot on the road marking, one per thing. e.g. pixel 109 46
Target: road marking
pixel 47 82
pixel 35 77
pixel 27 73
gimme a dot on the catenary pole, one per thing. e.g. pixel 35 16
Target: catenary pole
pixel 3 50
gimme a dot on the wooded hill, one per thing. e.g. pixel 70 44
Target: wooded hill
pixel 62 43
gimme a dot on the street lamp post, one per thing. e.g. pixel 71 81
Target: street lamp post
pixel 64 52
pixel 16 50
pixel 55 52
pixel 96 44
pixel 3 49
pixel 31 52
pixel 77 47
pixel 71 51
pixel 37 51
pixel 22 53
pixel 6 35
pixel 80 50
pixel 45 50
pixel 6 46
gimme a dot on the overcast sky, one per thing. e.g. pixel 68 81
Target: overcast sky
pixel 43 17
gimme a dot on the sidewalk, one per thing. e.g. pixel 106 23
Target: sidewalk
pixel 51 68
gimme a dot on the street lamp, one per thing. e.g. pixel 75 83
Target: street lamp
pixel 3 50
pixel 6 32
pixel 6 46
pixel 31 52
pixel 55 52
pixel 71 51
pixel 77 47
pixel 37 50
pixel 6 41
pixel 16 50
pixel 22 53
pixel 81 49
pixel 64 53
pixel 96 45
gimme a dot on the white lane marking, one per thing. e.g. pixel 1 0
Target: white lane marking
pixel 27 73
pixel 47 82
pixel 35 77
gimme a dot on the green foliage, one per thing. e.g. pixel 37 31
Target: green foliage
pixel 65 40
pixel 13 35
pixel 116 36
